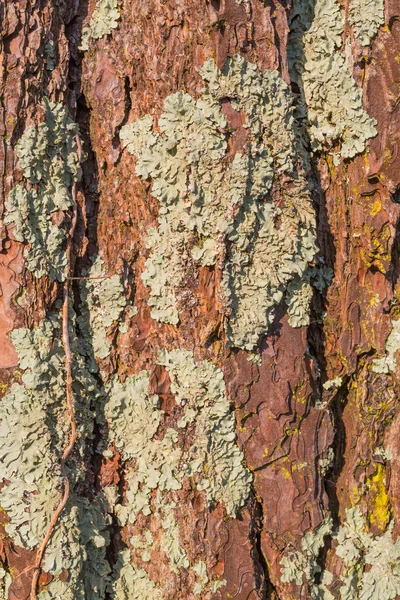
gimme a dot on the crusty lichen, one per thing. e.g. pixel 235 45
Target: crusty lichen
pixel 371 563
pixel 216 210
pixel 145 542
pixel 134 415
pixel 49 158
pixel 366 16
pixel 104 19
pixel 332 104
pixel 298 300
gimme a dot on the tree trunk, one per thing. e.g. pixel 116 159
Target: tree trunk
pixel 199 272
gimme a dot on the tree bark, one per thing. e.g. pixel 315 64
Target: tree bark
pixel 315 406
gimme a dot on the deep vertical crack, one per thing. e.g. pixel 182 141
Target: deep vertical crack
pixel 264 585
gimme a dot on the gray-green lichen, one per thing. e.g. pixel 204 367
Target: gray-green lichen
pixel 48 157
pixel 144 542
pixel 299 294
pixel 366 16
pixel 326 463
pixel 332 108
pixel 202 579
pixel 5 582
pixel 332 384
pixel 104 19
pixel 131 583
pixel 371 563
pixel 389 362
pixel 170 542
pixel 301 567
pixel 134 417
pixel 212 461
pixel 214 454
pixel 101 304
pixel 34 429
pixel 217 210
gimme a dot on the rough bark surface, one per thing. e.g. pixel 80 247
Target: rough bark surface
pixel 286 421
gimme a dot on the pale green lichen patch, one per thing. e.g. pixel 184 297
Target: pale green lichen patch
pixel 83 536
pixel 270 248
pixel 389 362
pixel 214 454
pixel 145 543
pixel 301 567
pixel 102 304
pixel 104 19
pixel 34 430
pixel 326 463
pixel 202 579
pixel 333 384
pixel 299 294
pixel 131 583
pixel 332 104
pixel 216 210
pixel 366 16
pixel 212 460
pixel 371 563
pixel 170 540
pixel 133 414
pixel 191 140
pixel 5 582
pixel 48 157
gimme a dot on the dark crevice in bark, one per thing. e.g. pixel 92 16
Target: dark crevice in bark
pixel 89 187
pixel 395 253
pixel 87 232
pixel 332 475
pixel 116 142
pixel 264 586
pixel 337 406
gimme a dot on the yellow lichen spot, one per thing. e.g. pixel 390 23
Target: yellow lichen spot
pixel 376 207
pixel 374 300
pixel 266 452
pixel 380 515
pixel 286 473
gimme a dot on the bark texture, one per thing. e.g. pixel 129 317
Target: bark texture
pixel 287 420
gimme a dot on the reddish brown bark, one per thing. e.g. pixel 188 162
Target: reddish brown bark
pixel 158 49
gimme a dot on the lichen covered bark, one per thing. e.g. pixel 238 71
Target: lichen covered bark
pixel 233 312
